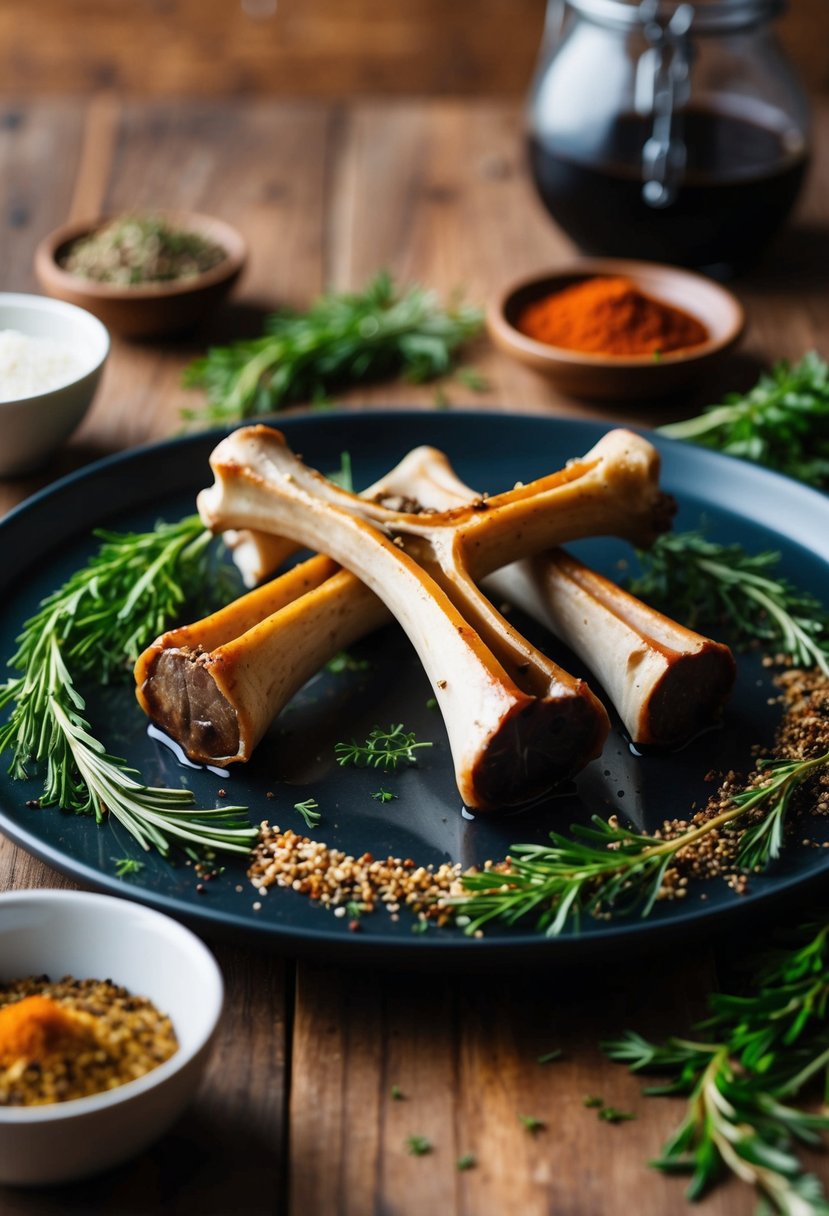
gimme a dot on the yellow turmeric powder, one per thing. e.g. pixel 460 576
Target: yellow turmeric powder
pixel 37 1027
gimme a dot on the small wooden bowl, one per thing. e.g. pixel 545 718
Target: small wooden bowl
pixel 621 377
pixel 148 309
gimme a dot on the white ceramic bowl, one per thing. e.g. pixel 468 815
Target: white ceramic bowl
pixel 32 428
pixel 59 933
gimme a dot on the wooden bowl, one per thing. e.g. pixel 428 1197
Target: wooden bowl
pixel 621 377
pixel 147 309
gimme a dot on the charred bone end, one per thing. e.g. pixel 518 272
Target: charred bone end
pixel 689 697
pixel 536 748
pixel 180 696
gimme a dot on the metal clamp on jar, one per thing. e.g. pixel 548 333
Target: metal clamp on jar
pixel 665 130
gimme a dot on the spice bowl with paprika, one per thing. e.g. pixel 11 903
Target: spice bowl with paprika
pixel 612 329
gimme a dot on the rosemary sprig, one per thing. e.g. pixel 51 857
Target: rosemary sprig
pixel 384 749
pixel 606 867
pixel 783 422
pixel 343 339
pixel 94 625
pixel 697 580
pixel 752 1056
pixel 308 811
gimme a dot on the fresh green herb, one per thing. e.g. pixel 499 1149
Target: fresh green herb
pixel 432 703
pixel 382 795
pixel 420 926
pixel 592 1101
pixel 741 1071
pixel 343 339
pixel 308 811
pixel 125 866
pixel 342 476
pixel 533 1125
pixel 549 1056
pixel 94 626
pixel 354 909
pixel 467 1162
pixel 783 422
pixel 343 661
pixel 397 1093
pixel 418 1146
pixel 608 867
pixel 473 379
pixel 384 749
pixel 698 580
pixel 609 1114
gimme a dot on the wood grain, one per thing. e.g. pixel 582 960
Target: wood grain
pixel 296 1116
pixel 320 48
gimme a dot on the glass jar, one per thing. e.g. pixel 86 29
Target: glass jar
pixel 667 130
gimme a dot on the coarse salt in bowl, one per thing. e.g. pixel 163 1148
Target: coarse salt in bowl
pixel 51 358
pixel 58 933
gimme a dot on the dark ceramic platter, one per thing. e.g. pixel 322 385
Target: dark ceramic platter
pixel 50 536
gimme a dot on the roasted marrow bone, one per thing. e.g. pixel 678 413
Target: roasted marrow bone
pixel 508 743
pixel 665 681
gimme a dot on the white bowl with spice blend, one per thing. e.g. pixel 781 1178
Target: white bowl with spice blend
pixel 85 936
pixel 51 358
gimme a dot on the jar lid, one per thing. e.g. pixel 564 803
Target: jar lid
pixel 708 16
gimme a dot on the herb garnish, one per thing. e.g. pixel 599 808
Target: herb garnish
pixel 125 866
pixel 741 1071
pixel 783 422
pixel 382 795
pixel 467 1161
pixel 384 749
pixel 343 339
pixel 418 1146
pixel 94 626
pixel 308 811
pixel 531 1124
pixel 608 868
pixel 694 579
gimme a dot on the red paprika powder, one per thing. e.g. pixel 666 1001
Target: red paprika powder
pixel 610 316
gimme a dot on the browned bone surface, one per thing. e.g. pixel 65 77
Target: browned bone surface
pixel 516 724
pixel 215 685
pixel 296 1115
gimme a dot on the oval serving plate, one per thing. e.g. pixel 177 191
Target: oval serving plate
pixel 49 536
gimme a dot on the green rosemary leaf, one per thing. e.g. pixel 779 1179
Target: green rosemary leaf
pixel 701 582
pixel 343 339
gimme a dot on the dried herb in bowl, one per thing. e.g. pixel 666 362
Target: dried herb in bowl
pixel 136 249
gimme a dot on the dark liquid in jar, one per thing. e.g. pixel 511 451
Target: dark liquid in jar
pixel 741 180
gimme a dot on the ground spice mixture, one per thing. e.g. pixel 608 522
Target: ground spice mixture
pixel 355 885
pixel 139 249
pixel 71 1038
pixel 610 316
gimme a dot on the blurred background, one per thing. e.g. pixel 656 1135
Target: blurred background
pixel 321 48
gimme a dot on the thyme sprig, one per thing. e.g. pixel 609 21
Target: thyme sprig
pixel 384 749
pixel 343 339
pixel 699 581
pixel 93 626
pixel 741 1071
pixel 782 423
pixel 605 867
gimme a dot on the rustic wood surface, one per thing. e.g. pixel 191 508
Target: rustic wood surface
pixel 308 48
pixel 296 1114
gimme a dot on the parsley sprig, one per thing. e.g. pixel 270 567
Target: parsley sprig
pixel 343 339
pixel 93 627
pixel 699 581
pixel 782 423
pixel 741 1072
pixel 384 749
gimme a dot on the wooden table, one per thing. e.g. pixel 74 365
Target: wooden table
pixel 296 1116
